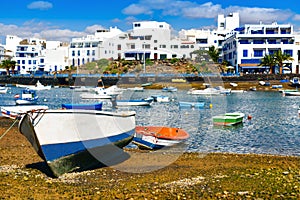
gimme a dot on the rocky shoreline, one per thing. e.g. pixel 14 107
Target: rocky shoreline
pixel 23 175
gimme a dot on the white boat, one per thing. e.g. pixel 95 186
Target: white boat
pixel 290 93
pixel 185 104
pixel 37 86
pixel 100 93
pixel 76 140
pixel 84 89
pixel 27 97
pixel 15 112
pixel 3 89
pixel 160 98
pixel 133 102
pixel 169 89
pixel 233 84
pixel 209 91
pixel 136 89
pixel 94 96
pixel 112 90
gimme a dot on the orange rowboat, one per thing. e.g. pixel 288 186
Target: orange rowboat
pixel 157 137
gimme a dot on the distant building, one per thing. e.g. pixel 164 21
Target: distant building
pixel 244 47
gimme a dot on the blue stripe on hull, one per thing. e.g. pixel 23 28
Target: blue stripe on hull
pixel 145 144
pixel 56 151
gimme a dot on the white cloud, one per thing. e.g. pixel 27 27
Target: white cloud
pixel 93 29
pixel 135 9
pixel 207 10
pixel 40 5
pixel 46 31
pixel 296 17
pixel 255 14
pixel 191 9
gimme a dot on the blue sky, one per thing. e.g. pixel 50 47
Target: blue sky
pixel 64 19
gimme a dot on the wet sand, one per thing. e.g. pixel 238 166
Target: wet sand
pixel 24 175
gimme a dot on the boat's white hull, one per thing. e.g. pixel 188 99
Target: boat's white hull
pixel 64 137
pixel 133 103
pixel 25 102
pixel 95 96
pixel 3 90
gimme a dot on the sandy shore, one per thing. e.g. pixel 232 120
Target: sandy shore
pixel 23 175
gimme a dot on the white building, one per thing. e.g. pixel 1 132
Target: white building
pixel 246 46
pixel 94 47
pixel 206 38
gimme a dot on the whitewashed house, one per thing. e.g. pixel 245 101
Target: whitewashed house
pixel 246 46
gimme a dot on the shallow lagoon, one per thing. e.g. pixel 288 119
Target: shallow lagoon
pixel 273 129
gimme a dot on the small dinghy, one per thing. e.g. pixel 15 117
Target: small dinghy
pixel 157 137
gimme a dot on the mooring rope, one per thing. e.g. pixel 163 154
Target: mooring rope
pixel 8 129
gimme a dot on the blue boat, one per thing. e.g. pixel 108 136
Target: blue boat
pixel 191 104
pixel 169 89
pixel 95 106
pixel 27 97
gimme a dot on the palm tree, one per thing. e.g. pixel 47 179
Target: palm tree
pixel 280 58
pixel 8 64
pixel 214 53
pixel 268 60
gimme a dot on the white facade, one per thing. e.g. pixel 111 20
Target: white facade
pixel 206 38
pixel 245 47
pixel 29 58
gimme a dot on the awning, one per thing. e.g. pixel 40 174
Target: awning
pixel 137 52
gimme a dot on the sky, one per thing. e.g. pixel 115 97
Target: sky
pixel 65 19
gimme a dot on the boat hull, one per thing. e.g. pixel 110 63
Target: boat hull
pixel 75 140
pixel 157 137
pixel 228 119
pixel 96 106
pixel 191 104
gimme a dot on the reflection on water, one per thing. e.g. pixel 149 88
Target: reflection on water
pixel 273 129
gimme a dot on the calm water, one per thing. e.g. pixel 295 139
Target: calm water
pixel 274 128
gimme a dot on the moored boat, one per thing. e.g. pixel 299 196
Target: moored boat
pixel 157 137
pixel 228 119
pixel 37 86
pixel 3 89
pixel 76 140
pixel 191 104
pixel 169 89
pixel 290 93
pixel 133 102
pixel 15 112
pixel 95 106
pixel 27 97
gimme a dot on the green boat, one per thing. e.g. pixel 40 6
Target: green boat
pixel 228 119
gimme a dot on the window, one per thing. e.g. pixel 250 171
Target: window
pixel 244 42
pixel 163 46
pixel 42 60
pixel 29 62
pixel 245 53
pixel 93 52
pixel 271 41
pixel 284 41
pixel 288 52
pixel 34 62
pixel 119 47
pixel 137 25
pixel 73 53
pixel 78 53
pixel 23 62
pixel 88 52
pixel 155 41
pixel 258 41
pixel 258 53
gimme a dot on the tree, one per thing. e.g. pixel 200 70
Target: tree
pixel 8 64
pixel 280 58
pixel 268 60
pixel 214 54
